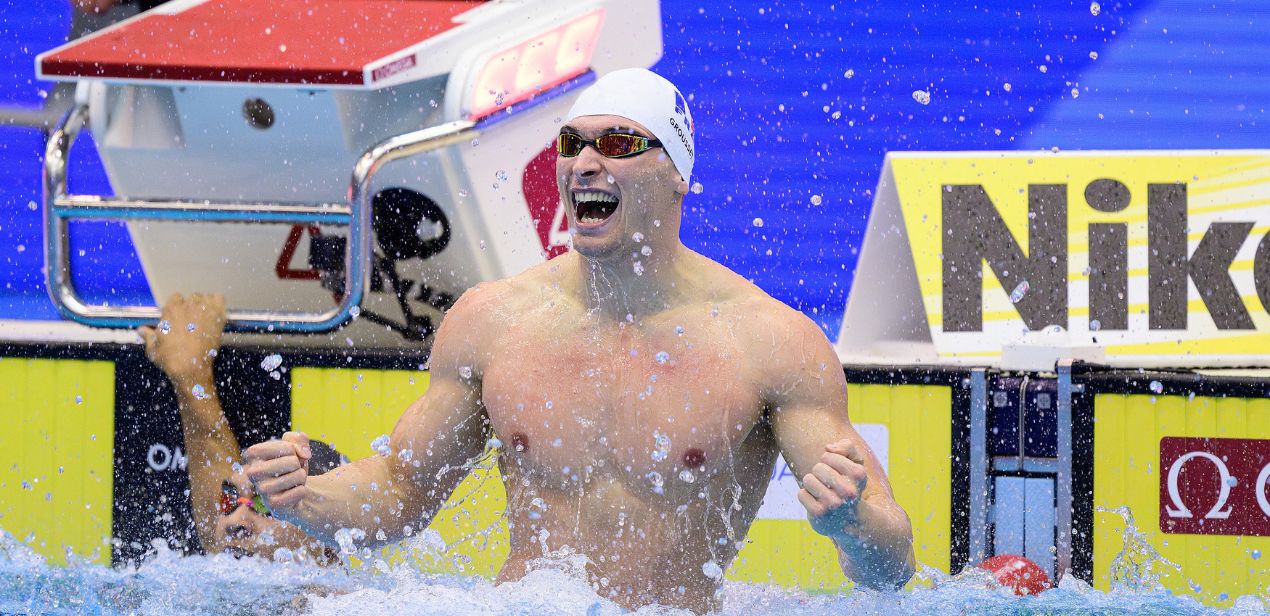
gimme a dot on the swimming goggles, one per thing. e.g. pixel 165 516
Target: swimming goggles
pixel 231 500
pixel 612 145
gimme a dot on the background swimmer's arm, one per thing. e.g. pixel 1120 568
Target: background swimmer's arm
pixel 442 431
pixel 210 445
pixel 844 487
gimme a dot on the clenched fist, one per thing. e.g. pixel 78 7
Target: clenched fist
pixel 832 490
pixel 185 342
pixel 280 469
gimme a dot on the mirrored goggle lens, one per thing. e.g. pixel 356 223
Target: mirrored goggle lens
pixel 612 146
pixel 570 144
pixel 228 498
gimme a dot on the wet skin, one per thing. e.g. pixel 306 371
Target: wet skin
pixel 603 378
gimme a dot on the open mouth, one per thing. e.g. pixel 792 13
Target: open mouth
pixel 594 207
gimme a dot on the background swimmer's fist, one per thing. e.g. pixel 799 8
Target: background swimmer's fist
pixel 831 491
pixel 280 469
pixel 183 344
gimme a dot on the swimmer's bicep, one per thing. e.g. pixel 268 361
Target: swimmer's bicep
pixel 445 426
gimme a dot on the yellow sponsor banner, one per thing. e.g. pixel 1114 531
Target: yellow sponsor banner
pixel 1130 432
pixel 57 482
pixel 1143 254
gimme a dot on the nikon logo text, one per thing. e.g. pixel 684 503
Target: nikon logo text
pixel 974 232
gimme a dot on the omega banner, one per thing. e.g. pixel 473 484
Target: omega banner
pixel 1141 254
pixel 1215 486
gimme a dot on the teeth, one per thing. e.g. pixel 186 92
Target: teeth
pixel 588 195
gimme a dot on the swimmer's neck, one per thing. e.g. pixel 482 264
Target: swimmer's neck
pixel 617 287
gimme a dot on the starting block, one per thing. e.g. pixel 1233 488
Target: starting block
pixel 389 154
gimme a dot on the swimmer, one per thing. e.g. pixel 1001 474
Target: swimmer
pixel 228 515
pixel 637 391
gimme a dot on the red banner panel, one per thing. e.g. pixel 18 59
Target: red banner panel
pixel 1215 486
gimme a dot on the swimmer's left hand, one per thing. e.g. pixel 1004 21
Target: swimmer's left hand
pixel 832 491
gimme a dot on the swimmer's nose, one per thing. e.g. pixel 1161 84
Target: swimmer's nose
pixel 238 525
pixel 588 163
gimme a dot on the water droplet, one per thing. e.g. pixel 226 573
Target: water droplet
pixel 656 222
pixel 1095 325
pixel 687 476
pixel 465 372
pixel 500 175
pixel 637 236
pixel 1019 291
pixel 1007 86
pixel 758 222
pixel 493 443
pixel 1255 554
pixel 611 179
pixel 1095 8
pixel 483 246
pixel 1075 93
pixel 697 188
pixel 381 446
pixel 679 330
pixel 31 205
pixel 661 446
pixel 1093 55
pixel 190 327
pixel 639 268
pixel 405 455
pixel 79 399
pixel 164 326
pixel 271 362
pixel 476 142
pixel 646 250
pixel 662 357
pixel 1156 387
pixel 199 392
pixel 712 570
pixel 815 199
pixel 654 479
pixel 557 443
pixel 921 96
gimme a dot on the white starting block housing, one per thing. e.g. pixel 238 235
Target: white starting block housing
pixel 446 111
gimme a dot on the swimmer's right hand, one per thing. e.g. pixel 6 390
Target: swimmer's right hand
pixel 280 469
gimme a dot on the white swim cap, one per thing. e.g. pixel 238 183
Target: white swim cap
pixel 648 98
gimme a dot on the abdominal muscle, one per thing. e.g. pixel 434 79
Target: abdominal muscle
pixel 641 547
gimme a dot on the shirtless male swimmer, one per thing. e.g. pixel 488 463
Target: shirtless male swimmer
pixel 640 390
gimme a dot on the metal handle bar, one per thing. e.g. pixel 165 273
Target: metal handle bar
pixel 60 207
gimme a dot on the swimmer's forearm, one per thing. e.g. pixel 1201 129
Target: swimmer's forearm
pixel 361 495
pixel 876 550
pixel 210 449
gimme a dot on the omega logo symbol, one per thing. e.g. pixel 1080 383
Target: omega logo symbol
pixel 1235 472
pixel 1179 510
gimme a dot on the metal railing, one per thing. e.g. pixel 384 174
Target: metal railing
pixel 60 207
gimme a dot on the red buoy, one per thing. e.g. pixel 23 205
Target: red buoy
pixel 1022 575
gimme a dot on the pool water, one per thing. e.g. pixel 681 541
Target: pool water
pixel 170 583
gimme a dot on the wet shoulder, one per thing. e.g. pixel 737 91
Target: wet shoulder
pixel 763 323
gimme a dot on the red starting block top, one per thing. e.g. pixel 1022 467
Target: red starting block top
pixel 330 42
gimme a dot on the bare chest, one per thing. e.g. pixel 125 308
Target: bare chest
pixel 647 404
